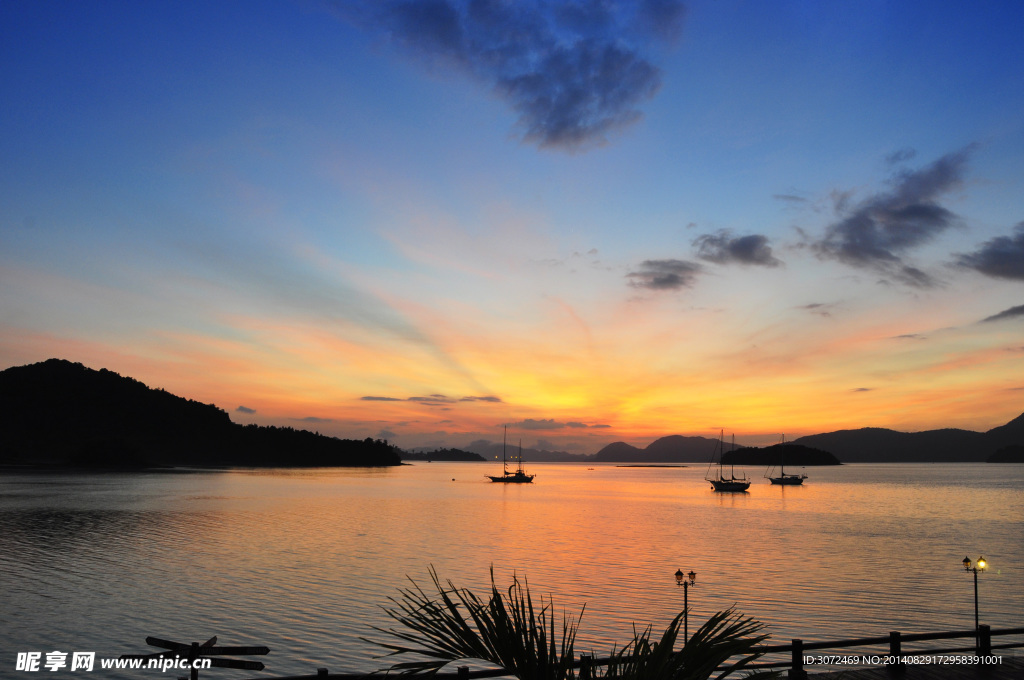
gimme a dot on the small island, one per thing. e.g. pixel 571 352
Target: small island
pixel 442 455
pixel 777 454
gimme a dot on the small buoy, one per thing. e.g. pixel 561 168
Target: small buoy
pixel 453 479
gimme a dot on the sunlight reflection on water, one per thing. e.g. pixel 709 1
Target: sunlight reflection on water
pixel 302 561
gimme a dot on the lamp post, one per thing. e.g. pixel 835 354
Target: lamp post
pixel 980 566
pixel 686 584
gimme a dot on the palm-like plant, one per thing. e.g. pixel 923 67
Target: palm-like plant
pixel 726 635
pixel 509 632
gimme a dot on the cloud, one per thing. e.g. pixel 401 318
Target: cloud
pixel 575 424
pixel 314 419
pixel 900 155
pixel 600 425
pixel 722 249
pixel 432 400
pixel 245 409
pixel 572 71
pixel 1001 257
pixel 1011 313
pixel 863 389
pixel 665 274
pixel 878 231
pixel 546 424
pixel 386 434
pixel 819 308
pixel 435 399
pixel 790 198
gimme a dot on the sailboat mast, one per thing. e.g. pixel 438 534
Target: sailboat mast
pixel 782 456
pixel 504 437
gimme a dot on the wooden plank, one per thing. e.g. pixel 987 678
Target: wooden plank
pixel 235 651
pixel 166 644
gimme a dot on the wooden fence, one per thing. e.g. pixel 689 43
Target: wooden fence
pixel 794 657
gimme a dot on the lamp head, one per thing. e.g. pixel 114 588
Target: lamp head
pixel 679 576
pixel 692 576
pixel 967 564
pixel 982 563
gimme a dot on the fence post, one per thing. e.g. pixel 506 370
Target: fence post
pixel 984 640
pixel 896 651
pixel 463 672
pixel 586 669
pixel 797 671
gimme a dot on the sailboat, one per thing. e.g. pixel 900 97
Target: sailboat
pixel 720 482
pixel 506 477
pixel 783 479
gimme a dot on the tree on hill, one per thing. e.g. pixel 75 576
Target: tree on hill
pixel 62 413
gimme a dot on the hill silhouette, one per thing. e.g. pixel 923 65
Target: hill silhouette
pixel 878 445
pixel 671 449
pixel 61 413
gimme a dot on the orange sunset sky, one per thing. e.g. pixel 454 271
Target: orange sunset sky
pixel 618 223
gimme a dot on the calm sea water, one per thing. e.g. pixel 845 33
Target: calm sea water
pixel 303 560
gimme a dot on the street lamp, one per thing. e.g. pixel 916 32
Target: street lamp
pixel 980 566
pixel 686 584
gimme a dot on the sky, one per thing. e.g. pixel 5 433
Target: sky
pixel 592 221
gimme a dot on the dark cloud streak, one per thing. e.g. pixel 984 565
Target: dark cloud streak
pixel 573 72
pixel 881 229
pixel 721 248
pixel 1011 313
pixel 1001 257
pixel 665 274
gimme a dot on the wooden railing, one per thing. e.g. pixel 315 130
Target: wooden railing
pixel 793 656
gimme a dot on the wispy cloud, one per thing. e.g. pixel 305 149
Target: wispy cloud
pixel 722 248
pixel 819 308
pixel 543 424
pixel 245 409
pixel 881 229
pixel 901 155
pixel 665 274
pixel 572 71
pixel 1001 257
pixel 1011 313
pixel 436 399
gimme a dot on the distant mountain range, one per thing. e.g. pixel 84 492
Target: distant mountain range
pixel 865 445
pixel 58 413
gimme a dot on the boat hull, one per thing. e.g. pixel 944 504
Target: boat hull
pixel 518 478
pixel 787 480
pixel 733 485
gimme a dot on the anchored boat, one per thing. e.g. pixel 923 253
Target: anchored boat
pixel 517 477
pixel 719 482
pixel 783 479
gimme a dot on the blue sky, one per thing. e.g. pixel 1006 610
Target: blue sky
pixel 647 218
